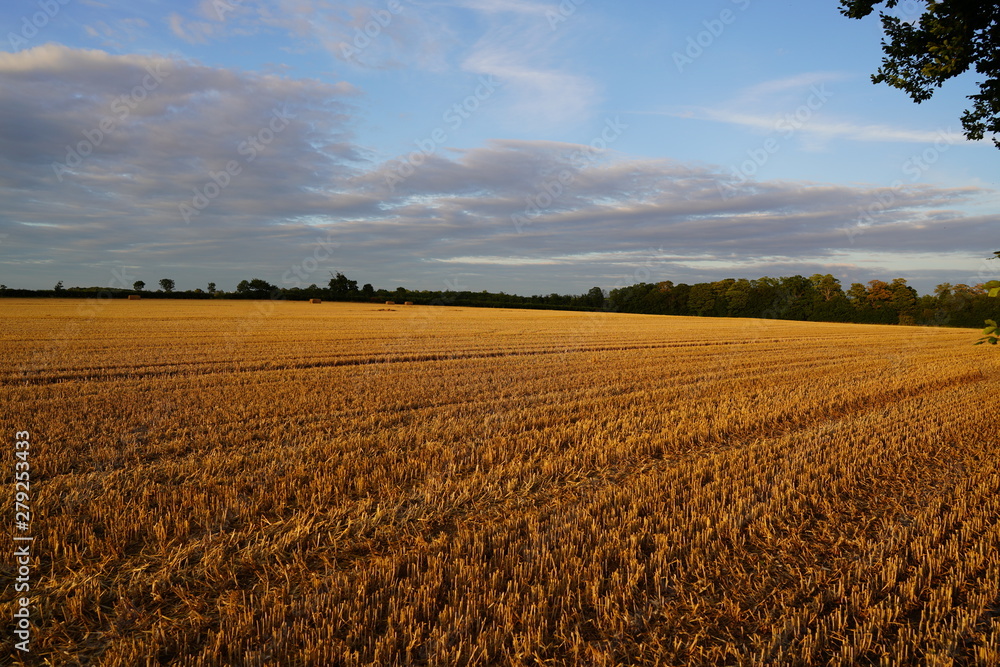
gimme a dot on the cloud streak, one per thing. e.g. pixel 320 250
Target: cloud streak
pixel 518 48
pixel 769 106
pixel 828 131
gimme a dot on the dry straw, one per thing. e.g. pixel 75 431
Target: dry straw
pixel 508 489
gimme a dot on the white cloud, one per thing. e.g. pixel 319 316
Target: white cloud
pixel 796 105
pixel 521 52
pixel 367 34
pixel 768 91
pixel 192 32
pixel 111 171
pixel 830 130
pixel 535 9
pixel 581 218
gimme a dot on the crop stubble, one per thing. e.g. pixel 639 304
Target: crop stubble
pixel 286 483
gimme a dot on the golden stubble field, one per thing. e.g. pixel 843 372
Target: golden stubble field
pixel 258 483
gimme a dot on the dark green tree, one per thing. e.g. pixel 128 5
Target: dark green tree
pixel 59 287
pixel 904 301
pixel 211 288
pixel 795 294
pixel 738 298
pixel 701 301
pixel 829 301
pixel 595 297
pixel 167 285
pixel 139 285
pixel 950 37
pixel 258 287
pixel 341 286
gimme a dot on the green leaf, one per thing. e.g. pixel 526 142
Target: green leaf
pixel 991 323
pixel 995 291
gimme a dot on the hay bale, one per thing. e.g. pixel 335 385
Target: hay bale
pixel 315 300
pixel 390 303
pixel 407 303
pixel 134 297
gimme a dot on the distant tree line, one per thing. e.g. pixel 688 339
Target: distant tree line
pixel 342 288
pixel 817 298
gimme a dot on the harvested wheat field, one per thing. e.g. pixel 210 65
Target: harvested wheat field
pixel 279 483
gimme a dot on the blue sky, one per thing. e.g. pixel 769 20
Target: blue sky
pixel 510 145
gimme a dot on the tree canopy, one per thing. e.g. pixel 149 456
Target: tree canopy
pixel 256 286
pixel 341 285
pixel 950 37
